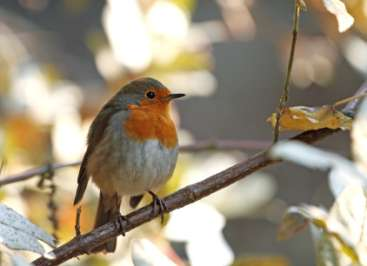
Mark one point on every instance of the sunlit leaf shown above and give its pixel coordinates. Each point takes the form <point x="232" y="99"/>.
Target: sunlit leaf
<point x="301" y="118"/>
<point x="16" y="232"/>
<point x="348" y="220"/>
<point x="9" y="217"/>
<point x="331" y="235"/>
<point x="292" y="223"/>
<point x="342" y="171"/>
<point x="307" y="155"/>
<point x="337" y="7"/>
<point x="198" y="233"/>
<point x="359" y="136"/>
<point x="350" y="208"/>
<point x="326" y="253"/>
<point x="297" y="218"/>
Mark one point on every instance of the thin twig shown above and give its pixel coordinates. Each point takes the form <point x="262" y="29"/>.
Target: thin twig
<point x="198" y="146"/>
<point x="349" y="99"/>
<point x="48" y="176"/>
<point x="34" y="172"/>
<point x="2" y="165"/>
<point x="298" y="6"/>
<point x="53" y="208"/>
<point x="77" y="222"/>
<point x="207" y="145"/>
<point x="183" y="197"/>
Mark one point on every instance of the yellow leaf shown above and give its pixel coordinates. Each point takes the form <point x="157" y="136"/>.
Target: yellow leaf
<point x="297" y="218"/>
<point x="291" y="224"/>
<point x="301" y="118"/>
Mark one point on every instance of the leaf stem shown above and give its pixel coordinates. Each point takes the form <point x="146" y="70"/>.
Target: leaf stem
<point x="299" y="5"/>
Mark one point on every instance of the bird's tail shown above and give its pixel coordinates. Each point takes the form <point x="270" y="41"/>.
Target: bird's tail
<point x="108" y="210"/>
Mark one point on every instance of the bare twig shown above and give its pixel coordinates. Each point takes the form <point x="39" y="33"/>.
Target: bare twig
<point x="51" y="204"/>
<point x="349" y="99"/>
<point x="77" y="221"/>
<point x="351" y="107"/>
<point x="205" y="145"/>
<point x="298" y="6"/>
<point x="183" y="197"/>
<point x="198" y="146"/>
<point x="53" y="208"/>
<point x="34" y="172"/>
<point x="2" y="165"/>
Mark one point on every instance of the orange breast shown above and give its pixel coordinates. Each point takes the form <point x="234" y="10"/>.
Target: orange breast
<point x="144" y="124"/>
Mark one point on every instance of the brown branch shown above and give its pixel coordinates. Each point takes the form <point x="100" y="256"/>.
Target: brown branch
<point x="197" y="146"/>
<point x="205" y="145"/>
<point x="48" y="178"/>
<point x="34" y="172"/>
<point x="182" y="197"/>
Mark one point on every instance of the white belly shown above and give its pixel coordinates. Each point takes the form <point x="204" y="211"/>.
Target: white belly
<point x="135" y="168"/>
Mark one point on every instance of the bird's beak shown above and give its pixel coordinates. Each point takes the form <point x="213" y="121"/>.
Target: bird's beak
<point x="175" y="96"/>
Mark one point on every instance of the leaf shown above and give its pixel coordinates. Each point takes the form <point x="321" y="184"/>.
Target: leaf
<point x="350" y="208"/>
<point x="343" y="172"/>
<point x="348" y="220"/>
<point x="359" y="136"/>
<point x="297" y="218"/>
<point x="197" y="233"/>
<point x="301" y="118"/>
<point x="326" y="253"/>
<point x="307" y="155"/>
<point x="331" y="228"/>
<point x="337" y="7"/>
<point x="16" y="232"/>
<point x="11" y="218"/>
<point x="18" y="240"/>
<point x="292" y="223"/>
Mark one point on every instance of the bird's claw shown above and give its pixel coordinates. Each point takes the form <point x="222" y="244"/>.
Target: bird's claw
<point x="157" y="202"/>
<point x="121" y="223"/>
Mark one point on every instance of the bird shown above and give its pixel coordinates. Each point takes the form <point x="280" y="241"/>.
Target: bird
<point x="132" y="148"/>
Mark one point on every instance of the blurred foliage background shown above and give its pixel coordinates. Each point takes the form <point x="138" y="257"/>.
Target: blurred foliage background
<point x="60" y="60"/>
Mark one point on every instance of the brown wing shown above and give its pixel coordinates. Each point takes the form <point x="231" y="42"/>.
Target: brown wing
<point x="95" y="134"/>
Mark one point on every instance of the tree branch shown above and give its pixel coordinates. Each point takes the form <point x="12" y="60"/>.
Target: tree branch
<point x="181" y="198"/>
<point x="241" y="145"/>
<point x="203" y="145"/>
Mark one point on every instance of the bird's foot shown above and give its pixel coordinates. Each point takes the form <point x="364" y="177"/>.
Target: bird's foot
<point x="157" y="202"/>
<point x="122" y="221"/>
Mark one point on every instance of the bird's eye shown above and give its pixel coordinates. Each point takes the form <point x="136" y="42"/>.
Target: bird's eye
<point x="150" y="94"/>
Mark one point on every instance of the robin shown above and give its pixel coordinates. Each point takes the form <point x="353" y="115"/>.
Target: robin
<point x="131" y="149"/>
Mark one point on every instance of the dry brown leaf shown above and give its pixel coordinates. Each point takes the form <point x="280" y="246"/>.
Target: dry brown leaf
<point x="301" y="118"/>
